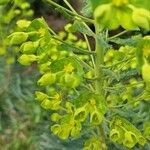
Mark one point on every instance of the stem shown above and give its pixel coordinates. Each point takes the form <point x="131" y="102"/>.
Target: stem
<point x="85" y="36"/>
<point x="71" y="8"/>
<point x="99" y="59"/>
<point x="85" y="25"/>
<point x="80" y="50"/>
<point x="119" y="62"/>
<point x="87" y="66"/>
<point x="98" y="65"/>
<point x="70" y="12"/>
<point x="117" y="35"/>
<point x="89" y="48"/>
<point x="52" y="31"/>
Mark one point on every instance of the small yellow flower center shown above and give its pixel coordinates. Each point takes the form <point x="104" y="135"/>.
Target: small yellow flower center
<point x="118" y="122"/>
<point x="42" y="32"/>
<point x="92" y="101"/>
<point x="57" y="96"/>
<point x="68" y="68"/>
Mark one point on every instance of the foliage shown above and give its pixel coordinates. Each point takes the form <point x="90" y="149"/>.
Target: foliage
<point x="99" y="95"/>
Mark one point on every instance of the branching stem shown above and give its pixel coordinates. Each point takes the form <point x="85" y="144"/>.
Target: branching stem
<point x="70" y="12"/>
<point x="99" y="59"/>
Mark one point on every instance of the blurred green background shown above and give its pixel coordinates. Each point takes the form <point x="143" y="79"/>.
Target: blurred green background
<point x="24" y="125"/>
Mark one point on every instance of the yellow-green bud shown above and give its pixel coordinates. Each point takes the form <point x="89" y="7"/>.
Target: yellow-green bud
<point x="56" y="129"/>
<point x="64" y="133"/>
<point x="70" y="80"/>
<point x="23" y="23"/>
<point x="80" y="114"/>
<point x="27" y="59"/>
<point x="141" y="17"/>
<point x="114" y="135"/>
<point x="18" y="38"/>
<point x="146" y="72"/>
<point x="25" y="5"/>
<point x="96" y="118"/>
<point x="28" y="47"/>
<point x="46" y="104"/>
<point x="76" y="129"/>
<point x="55" y="117"/>
<point x="40" y="96"/>
<point x="47" y="79"/>
<point x="67" y="27"/>
<point x="130" y="139"/>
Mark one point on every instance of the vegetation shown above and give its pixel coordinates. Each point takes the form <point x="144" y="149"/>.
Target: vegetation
<point x="98" y="97"/>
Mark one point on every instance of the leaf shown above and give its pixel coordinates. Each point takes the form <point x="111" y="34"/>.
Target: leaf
<point x="38" y="28"/>
<point x="58" y="65"/>
<point x="127" y="41"/>
<point x="79" y="26"/>
<point x="126" y="75"/>
<point x="129" y="128"/>
<point x="119" y="121"/>
<point x="37" y="24"/>
<point x="111" y="74"/>
<point x="87" y="8"/>
<point x="73" y="48"/>
<point x="102" y="41"/>
<point x="86" y="97"/>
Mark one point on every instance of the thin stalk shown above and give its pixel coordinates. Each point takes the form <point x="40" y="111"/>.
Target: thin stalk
<point x="119" y="62"/>
<point x="75" y="12"/>
<point x="128" y="104"/>
<point x="123" y="86"/>
<point x="71" y="8"/>
<point x="87" y="66"/>
<point x="70" y="12"/>
<point x="89" y="48"/>
<point x="85" y="36"/>
<point x="52" y="31"/>
<point x="117" y="35"/>
<point x="98" y="68"/>
<point x="79" y="49"/>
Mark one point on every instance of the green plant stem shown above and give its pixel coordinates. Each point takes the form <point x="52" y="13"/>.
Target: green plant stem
<point x="124" y="85"/>
<point x="85" y="36"/>
<point x="80" y="50"/>
<point x="99" y="59"/>
<point x="70" y="12"/>
<point x="119" y="62"/>
<point x="85" y="25"/>
<point x="87" y="66"/>
<point x="52" y="31"/>
<point x="71" y="8"/>
<point x="117" y="35"/>
<point x="89" y="48"/>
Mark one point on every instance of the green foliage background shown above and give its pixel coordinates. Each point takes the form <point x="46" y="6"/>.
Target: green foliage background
<point x="23" y="123"/>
